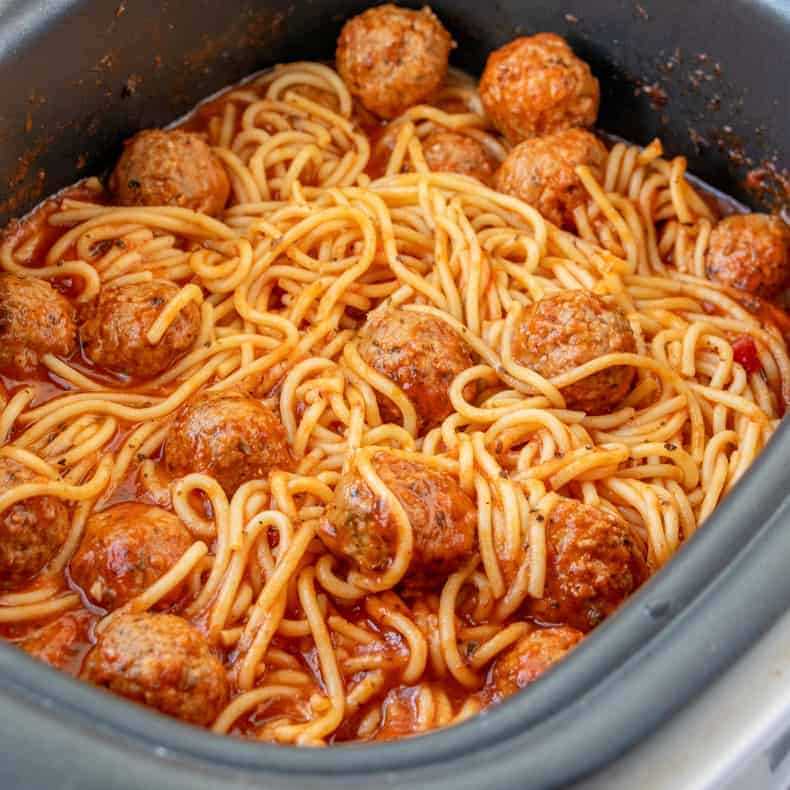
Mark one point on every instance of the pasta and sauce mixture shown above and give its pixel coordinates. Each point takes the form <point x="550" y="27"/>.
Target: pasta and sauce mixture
<point x="344" y="409"/>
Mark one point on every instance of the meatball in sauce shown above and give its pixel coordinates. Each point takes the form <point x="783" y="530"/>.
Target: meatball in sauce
<point x="360" y="528"/>
<point x="421" y="355"/>
<point x="32" y="531"/>
<point x="392" y="58"/>
<point x="161" y="661"/>
<point x="34" y="320"/>
<point x="115" y="336"/>
<point x="593" y="564"/>
<point x="528" y="659"/>
<point x="535" y="85"/>
<point x="450" y="152"/>
<point x="124" y="550"/>
<point x="542" y="172"/>
<point x="228" y="435"/>
<point x="170" y="168"/>
<point x="564" y="331"/>
<point x="750" y="252"/>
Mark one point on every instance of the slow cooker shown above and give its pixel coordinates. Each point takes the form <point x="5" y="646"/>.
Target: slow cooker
<point x="711" y="79"/>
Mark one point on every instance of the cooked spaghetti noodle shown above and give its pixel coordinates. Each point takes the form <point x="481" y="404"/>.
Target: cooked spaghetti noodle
<point x="329" y="221"/>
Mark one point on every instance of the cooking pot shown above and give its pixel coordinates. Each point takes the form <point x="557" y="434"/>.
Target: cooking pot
<point x="711" y="79"/>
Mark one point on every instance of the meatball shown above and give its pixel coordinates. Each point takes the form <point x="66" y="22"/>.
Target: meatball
<point x="162" y="661"/>
<point x="542" y="173"/>
<point x="392" y="58"/>
<point x="418" y="353"/>
<point x="566" y="330"/>
<point x="358" y="525"/>
<point x="32" y="531"/>
<point x="750" y="252"/>
<point x="228" y="435"/>
<point x="125" y="549"/>
<point x="34" y="320"/>
<point x="172" y="168"/>
<point x="451" y="152"/>
<point x="535" y="85"/>
<point x="592" y="566"/>
<point x="529" y="658"/>
<point x="115" y="336"/>
<point x="62" y="643"/>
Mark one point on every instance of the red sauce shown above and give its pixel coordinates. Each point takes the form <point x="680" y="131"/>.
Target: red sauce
<point x="62" y="643"/>
<point x="36" y="224"/>
<point x="744" y="352"/>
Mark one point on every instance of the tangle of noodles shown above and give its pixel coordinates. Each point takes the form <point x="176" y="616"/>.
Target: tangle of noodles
<point x="326" y="222"/>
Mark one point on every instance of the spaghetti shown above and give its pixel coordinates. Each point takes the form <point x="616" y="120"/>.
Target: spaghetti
<point x="328" y="221"/>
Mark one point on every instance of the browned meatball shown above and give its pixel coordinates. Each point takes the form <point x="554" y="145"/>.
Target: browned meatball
<point x="451" y="152"/>
<point x="32" y="531"/>
<point x="359" y="527"/>
<point x="34" y="320"/>
<point x="566" y="330"/>
<point x="172" y="168"/>
<point x="392" y="58"/>
<point x="125" y="549"/>
<point x="535" y="85"/>
<point x="115" y="336"/>
<point x="592" y="565"/>
<point x="542" y="172"/>
<point x="529" y="658"/>
<point x="418" y="353"/>
<point x="228" y="435"/>
<point x="162" y="661"/>
<point x="62" y="643"/>
<point x="750" y="252"/>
